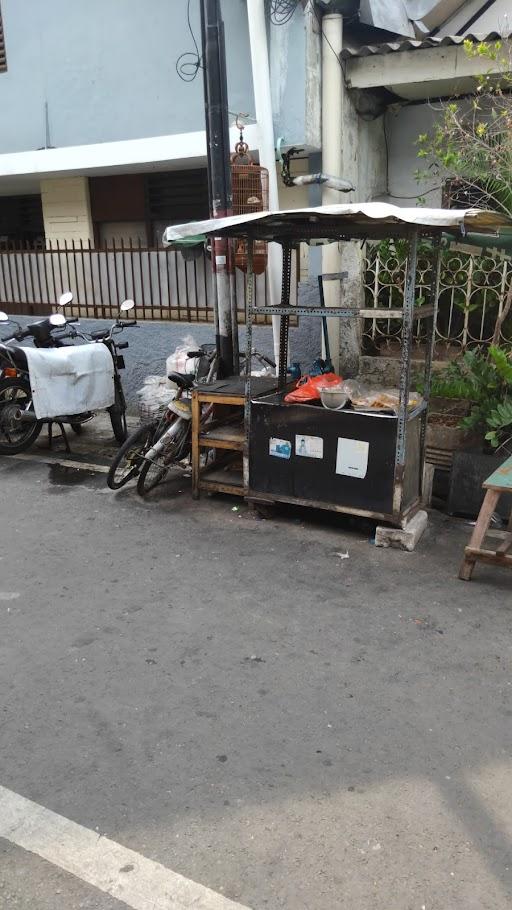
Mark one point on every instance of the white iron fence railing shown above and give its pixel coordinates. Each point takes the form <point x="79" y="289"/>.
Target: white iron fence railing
<point x="163" y="285"/>
<point x="471" y="296"/>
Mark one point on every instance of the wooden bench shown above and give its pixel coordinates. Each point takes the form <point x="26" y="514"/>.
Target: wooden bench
<point x="499" y="482"/>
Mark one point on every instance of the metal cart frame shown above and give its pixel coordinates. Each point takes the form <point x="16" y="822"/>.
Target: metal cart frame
<point x="350" y="222"/>
<point x="336" y="230"/>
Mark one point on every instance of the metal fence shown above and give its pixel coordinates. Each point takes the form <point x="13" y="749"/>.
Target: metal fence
<point x="163" y="284"/>
<point x="471" y="296"/>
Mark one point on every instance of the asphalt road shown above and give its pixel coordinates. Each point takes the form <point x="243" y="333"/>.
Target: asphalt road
<point x="231" y="698"/>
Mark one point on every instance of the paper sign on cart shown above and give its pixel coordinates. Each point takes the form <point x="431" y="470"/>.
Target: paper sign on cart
<point x="309" y="446"/>
<point x="352" y="457"/>
<point x="280" y="448"/>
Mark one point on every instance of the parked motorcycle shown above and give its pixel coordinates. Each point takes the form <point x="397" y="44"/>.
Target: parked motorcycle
<point x="19" y="424"/>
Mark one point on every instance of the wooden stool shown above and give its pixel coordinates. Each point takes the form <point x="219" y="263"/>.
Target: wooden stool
<point x="499" y="482"/>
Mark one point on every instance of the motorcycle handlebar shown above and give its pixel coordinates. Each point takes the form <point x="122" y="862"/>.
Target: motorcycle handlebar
<point x="18" y="336"/>
<point x="125" y="324"/>
<point x="121" y="345"/>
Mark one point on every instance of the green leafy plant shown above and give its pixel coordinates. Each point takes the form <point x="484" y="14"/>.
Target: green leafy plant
<point x="484" y="378"/>
<point x="472" y="139"/>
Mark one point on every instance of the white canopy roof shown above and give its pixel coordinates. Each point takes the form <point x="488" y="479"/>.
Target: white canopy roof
<point x="357" y="219"/>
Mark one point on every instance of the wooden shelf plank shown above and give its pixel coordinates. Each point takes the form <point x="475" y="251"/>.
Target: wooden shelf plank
<point x="222" y="480"/>
<point x="224" y="437"/>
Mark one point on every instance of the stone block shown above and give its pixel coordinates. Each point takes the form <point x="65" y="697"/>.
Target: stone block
<point x="403" y="538"/>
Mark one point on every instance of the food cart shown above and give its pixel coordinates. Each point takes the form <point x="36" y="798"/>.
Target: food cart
<point x="356" y="462"/>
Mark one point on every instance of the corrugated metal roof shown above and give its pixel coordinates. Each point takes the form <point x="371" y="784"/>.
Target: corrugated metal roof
<point x="357" y="216"/>
<point x="409" y="44"/>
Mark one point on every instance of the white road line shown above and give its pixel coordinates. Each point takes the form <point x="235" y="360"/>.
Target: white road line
<point x="114" y="869"/>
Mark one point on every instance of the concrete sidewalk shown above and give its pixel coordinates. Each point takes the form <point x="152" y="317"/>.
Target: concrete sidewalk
<point x="237" y="700"/>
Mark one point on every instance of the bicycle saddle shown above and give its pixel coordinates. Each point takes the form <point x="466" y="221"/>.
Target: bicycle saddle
<point x="182" y="380"/>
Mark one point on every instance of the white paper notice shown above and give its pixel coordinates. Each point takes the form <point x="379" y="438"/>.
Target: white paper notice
<point x="352" y="457"/>
<point x="309" y="446"/>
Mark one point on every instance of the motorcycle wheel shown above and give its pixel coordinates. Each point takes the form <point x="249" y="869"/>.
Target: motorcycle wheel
<point x="128" y="460"/>
<point x="154" y="472"/>
<point x="15" y="436"/>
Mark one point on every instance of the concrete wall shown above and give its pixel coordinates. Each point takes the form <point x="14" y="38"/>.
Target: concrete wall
<point x="371" y="159"/>
<point x="404" y="125"/>
<point x="67" y="210"/>
<point x="107" y="70"/>
<point x="287" y="53"/>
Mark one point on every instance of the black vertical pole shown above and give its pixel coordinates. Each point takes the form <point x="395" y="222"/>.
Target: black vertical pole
<point x="219" y="173"/>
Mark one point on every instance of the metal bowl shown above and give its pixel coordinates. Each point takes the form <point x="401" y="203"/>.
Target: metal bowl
<point x="333" y="397"/>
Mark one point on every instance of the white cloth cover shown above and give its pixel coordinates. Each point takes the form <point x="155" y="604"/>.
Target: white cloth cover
<point x="70" y="380"/>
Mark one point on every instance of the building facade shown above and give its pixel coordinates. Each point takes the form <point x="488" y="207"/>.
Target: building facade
<point x="103" y="141"/>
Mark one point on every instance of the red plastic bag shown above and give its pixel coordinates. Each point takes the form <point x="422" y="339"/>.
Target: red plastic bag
<point x="308" y="387"/>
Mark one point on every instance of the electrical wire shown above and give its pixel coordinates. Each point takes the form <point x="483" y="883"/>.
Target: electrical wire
<point x="324" y="36"/>
<point x="189" y="63"/>
<point x="346" y="21"/>
<point x="281" y="11"/>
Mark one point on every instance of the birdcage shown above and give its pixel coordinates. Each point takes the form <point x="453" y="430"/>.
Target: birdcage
<point x="250" y="194"/>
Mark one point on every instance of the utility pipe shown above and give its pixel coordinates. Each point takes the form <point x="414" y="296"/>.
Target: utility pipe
<point x="332" y="158"/>
<point x="333" y="183"/>
<point x="219" y="173"/>
<point x="263" y="112"/>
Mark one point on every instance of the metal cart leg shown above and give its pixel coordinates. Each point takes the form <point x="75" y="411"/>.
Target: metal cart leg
<point x="285" y="320"/>
<point x="405" y="372"/>
<point x="248" y="358"/>
<point x="429" y="354"/>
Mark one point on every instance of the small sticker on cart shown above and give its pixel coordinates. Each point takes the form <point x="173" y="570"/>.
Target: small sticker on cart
<point x="352" y="457"/>
<point x="309" y="446"/>
<point x="280" y="448"/>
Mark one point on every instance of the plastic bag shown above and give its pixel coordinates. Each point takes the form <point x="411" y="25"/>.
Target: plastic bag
<point x="354" y="388"/>
<point x="377" y="399"/>
<point x="179" y="361"/>
<point x="155" y="395"/>
<point x="308" y="387"/>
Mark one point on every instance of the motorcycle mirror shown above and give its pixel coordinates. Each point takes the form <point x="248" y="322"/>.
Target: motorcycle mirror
<point x="127" y="305"/>
<point x="57" y="319"/>
<point x="3" y="317"/>
<point x="65" y="298"/>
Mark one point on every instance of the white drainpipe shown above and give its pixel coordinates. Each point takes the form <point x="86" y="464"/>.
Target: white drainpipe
<point x="263" y="112"/>
<point x="332" y="158"/>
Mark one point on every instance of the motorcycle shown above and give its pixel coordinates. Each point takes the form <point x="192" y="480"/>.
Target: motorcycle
<point x="19" y="424"/>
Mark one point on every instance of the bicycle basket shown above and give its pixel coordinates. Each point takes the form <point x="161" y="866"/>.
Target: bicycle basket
<point x="151" y="410"/>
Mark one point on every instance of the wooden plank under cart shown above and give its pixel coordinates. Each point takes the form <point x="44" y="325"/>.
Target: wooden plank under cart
<point x="224" y="434"/>
<point x="498" y="483"/>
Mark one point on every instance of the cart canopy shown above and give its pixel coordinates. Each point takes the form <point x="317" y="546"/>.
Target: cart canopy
<point x="370" y="220"/>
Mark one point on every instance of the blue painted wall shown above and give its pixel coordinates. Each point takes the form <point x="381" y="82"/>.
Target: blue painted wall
<point x="107" y="69"/>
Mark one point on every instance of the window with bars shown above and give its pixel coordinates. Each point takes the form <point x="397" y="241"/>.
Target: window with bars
<point x="3" y="58"/>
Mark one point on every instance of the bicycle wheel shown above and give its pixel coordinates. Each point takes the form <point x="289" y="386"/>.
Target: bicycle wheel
<point x="128" y="460"/>
<point x="178" y="447"/>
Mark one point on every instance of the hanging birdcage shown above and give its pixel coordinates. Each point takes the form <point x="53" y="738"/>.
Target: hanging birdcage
<point x="250" y="194"/>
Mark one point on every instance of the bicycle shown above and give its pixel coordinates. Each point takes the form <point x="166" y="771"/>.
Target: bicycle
<point x="166" y="440"/>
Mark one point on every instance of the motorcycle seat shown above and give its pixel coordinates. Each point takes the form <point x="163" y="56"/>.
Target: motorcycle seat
<point x="182" y="380"/>
<point x="16" y="354"/>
